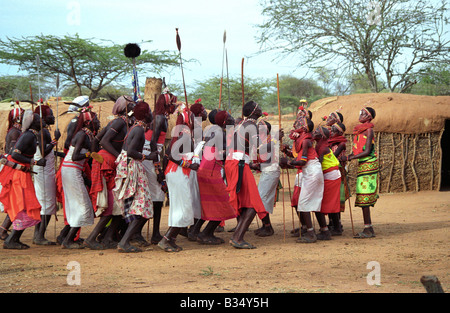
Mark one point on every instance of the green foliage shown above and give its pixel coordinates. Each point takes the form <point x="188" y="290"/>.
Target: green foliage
<point x="433" y="80"/>
<point x="88" y="63"/>
<point x="16" y="87"/>
<point x="344" y="35"/>
<point x="209" y="91"/>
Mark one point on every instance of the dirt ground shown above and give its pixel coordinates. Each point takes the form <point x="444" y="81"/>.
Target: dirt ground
<point x="412" y="232"/>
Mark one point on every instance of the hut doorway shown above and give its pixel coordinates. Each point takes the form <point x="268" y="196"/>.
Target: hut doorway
<point x="445" y="167"/>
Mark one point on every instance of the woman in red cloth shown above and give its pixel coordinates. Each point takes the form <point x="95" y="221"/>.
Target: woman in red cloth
<point x="244" y="195"/>
<point x="367" y="173"/>
<point x="309" y="179"/>
<point x="337" y="143"/>
<point x="213" y="194"/>
<point x="331" y="179"/>
<point x="18" y="195"/>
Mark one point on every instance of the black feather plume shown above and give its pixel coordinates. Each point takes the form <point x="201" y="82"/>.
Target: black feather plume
<point x="132" y="50"/>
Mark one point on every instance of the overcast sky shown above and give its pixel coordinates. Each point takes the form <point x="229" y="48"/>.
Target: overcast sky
<point x="201" y="25"/>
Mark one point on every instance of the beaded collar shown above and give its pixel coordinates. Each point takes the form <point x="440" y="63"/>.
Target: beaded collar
<point x="88" y="132"/>
<point x="35" y="132"/>
<point x="140" y="123"/>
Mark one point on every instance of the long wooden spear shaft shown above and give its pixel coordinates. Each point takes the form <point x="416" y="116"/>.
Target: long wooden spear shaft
<point x="31" y="98"/>
<point x="242" y="85"/>
<point x="182" y="72"/>
<point x="280" y="140"/>
<point x="223" y="61"/>
<point x="42" y="139"/>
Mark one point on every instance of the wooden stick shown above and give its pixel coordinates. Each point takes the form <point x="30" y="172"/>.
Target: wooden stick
<point x="178" y="39"/>
<point x="242" y="85"/>
<point x="223" y="61"/>
<point x="280" y="139"/>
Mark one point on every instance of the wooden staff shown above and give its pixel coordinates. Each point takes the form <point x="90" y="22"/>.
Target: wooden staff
<point x="223" y="60"/>
<point x="242" y="84"/>
<point x="57" y="103"/>
<point x="182" y="72"/>
<point x="42" y="135"/>
<point x="31" y="98"/>
<point x="228" y="82"/>
<point x="280" y="140"/>
<point x="349" y="204"/>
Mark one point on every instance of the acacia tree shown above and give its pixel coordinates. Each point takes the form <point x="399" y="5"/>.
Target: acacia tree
<point x="388" y="39"/>
<point x="91" y="63"/>
<point x="254" y="89"/>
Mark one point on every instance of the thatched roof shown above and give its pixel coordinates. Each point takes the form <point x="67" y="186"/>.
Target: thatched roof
<point x="395" y="112"/>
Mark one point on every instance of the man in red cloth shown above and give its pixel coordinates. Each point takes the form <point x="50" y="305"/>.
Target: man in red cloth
<point x="13" y="133"/>
<point x="18" y="195"/>
<point x="244" y="195"/>
<point x="111" y="139"/>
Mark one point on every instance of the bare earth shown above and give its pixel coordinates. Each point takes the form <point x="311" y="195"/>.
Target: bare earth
<point x="412" y="232"/>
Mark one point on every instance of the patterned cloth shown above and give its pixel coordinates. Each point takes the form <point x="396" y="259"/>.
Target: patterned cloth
<point x="213" y="194"/>
<point x="367" y="182"/>
<point x="132" y="181"/>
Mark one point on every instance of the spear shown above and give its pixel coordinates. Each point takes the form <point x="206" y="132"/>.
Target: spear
<point x="31" y="96"/>
<point x="242" y="84"/>
<point x="280" y="140"/>
<point x="57" y="101"/>
<point x="228" y="82"/>
<point x="182" y="72"/>
<point x="223" y="59"/>
<point x="42" y="135"/>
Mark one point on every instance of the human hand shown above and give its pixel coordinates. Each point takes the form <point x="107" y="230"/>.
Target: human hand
<point x="41" y="162"/>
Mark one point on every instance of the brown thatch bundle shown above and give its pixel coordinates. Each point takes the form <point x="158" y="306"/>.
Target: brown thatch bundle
<point x="409" y="131"/>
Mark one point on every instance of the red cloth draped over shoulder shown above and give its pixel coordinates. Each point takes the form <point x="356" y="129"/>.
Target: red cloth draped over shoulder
<point x="297" y="150"/>
<point x="248" y="196"/>
<point x="106" y="169"/>
<point x="312" y="154"/>
<point x="359" y="141"/>
<point x="337" y="139"/>
<point x="18" y="192"/>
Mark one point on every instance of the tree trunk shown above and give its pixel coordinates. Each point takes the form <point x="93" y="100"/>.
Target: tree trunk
<point x="153" y="88"/>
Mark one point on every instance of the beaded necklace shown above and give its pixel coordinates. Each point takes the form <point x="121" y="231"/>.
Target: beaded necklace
<point x="88" y="132"/>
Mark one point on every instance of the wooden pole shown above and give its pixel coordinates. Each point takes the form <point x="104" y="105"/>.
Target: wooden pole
<point x="178" y="39"/>
<point x="242" y="85"/>
<point x="280" y="140"/>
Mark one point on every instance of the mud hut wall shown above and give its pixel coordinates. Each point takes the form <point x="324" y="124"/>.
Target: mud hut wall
<point x="408" y="162"/>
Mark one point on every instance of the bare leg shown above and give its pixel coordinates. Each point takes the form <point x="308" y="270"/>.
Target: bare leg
<point x="133" y="228"/>
<point x="368" y="231"/>
<point x="207" y="235"/>
<point x="246" y="218"/>
<point x="156" y="233"/>
<point x="69" y="242"/>
<point x="5" y="227"/>
<point x="108" y="241"/>
<point x="91" y="241"/>
<point x="309" y="236"/>
<point x="266" y="229"/>
<point x="13" y="241"/>
<point x="167" y="243"/>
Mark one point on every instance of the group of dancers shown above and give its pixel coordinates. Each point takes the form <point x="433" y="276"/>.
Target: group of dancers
<point x="121" y="174"/>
